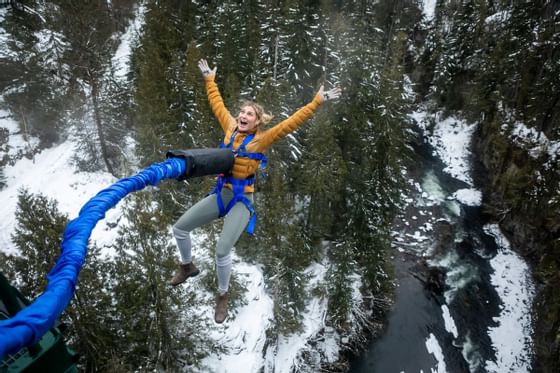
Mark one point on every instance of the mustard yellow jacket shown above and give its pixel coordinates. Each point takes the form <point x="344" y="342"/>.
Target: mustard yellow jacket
<point x="244" y="167"/>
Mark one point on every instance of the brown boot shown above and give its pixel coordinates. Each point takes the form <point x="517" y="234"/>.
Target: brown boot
<point x="184" y="272"/>
<point x="221" y="308"/>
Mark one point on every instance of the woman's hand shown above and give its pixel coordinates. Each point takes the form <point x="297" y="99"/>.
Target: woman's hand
<point x="331" y="94"/>
<point x="205" y="69"/>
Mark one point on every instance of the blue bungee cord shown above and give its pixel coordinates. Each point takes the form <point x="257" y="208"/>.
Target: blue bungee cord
<point x="31" y="323"/>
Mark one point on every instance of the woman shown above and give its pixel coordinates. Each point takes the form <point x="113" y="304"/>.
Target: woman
<point x="233" y="195"/>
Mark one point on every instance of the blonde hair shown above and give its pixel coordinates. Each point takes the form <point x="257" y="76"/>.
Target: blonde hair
<point x="262" y="116"/>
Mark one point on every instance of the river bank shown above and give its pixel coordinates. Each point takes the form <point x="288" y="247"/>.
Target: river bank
<point x="459" y="285"/>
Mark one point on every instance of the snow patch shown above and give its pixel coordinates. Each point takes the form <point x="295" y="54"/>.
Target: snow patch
<point x="499" y="17"/>
<point x="535" y="142"/>
<point x="429" y="8"/>
<point x="288" y="351"/>
<point x="46" y="39"/>
<point x="468" y="197"/>
<point x="244" y="336"/>
<point x="433" y="347"/>
<point x="451" y="141"/>
<point x="51" y="174"/>
<point x="448" y="321"/>
<point x="121" y="59"/>
<point x="513" y="283"/>
<point x="451" y="138"/>
<point x="4" y="36"/>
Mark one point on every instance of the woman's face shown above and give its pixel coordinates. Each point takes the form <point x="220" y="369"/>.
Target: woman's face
<point x="247" y="119"/>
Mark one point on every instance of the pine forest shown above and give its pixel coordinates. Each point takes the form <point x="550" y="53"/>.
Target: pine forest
<point x="331" y="192"/>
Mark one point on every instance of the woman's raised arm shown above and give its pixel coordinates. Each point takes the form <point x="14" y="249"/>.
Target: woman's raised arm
<point x="290" y="124"/>
<point x="214" y="97"/>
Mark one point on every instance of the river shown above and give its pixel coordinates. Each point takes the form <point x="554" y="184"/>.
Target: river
<point x="462" y="296"/>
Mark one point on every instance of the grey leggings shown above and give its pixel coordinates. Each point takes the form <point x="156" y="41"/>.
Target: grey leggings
<point x="206" y="210"/>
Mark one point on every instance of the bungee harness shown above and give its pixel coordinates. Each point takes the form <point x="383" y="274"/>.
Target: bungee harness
<point x="238" y="185"/>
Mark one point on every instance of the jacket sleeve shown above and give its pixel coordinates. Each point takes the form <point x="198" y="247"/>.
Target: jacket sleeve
<point x="217" y="104"/>
<point x="290" y="124"/>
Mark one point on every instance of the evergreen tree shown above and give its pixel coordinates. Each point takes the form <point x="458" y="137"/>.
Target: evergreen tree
<point x="258" y="45"/>
<point x="301" y="47"/>
<point x="37" y="235"/>
<point x="370" y="135"/>
<point x="200" y="129"/>
<point x="113" y="112"/>
<point x="93" y="326"/>
<point x="321" y="178"/>
<point x="339" y="281"/>
<point x="33" y="75"/>
<point x="151" y="327"/>
<point x="389" y="144"/>
<point x="231" y="52"/>
<point x="161" y="86"/>
<point x="90" y="31"/>
<point x="458" y="57"/>
<point x="266" y="55"/>
<point x="283" y="253"/>
<point x="171" y="105"/>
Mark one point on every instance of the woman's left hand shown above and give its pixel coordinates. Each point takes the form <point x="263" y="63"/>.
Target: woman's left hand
<point x="205" y="69"/>
<point x="331" y="94"/>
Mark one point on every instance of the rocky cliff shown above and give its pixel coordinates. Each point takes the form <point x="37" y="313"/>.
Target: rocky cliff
<point x="519" y="192"/>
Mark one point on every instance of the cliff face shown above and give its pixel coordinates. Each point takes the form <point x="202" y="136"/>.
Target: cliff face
<point x="517" y="193"/>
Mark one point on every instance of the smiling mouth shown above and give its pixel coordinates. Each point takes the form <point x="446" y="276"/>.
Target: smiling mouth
<point x="243" y="123"/>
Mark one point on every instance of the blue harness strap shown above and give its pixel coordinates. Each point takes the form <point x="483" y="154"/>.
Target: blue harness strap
<point x="238" y="189"/>
<point x="238" y="185"/>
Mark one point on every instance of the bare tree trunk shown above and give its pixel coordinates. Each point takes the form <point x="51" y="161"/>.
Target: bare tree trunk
<point x="99" y="125"/>
<point x="275" y="58"/>
<point x="26" y="136"/>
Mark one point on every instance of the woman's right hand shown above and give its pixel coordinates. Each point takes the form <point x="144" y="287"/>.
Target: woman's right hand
<point x="331" y="94"/>
<point x="205" y="69"/>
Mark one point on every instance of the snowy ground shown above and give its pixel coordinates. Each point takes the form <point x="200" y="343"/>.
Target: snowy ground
<point x="513" y="282"/>
<point x="428" y="8"/>
<point x="121" y="59"/>
<point x="4" y="36"/>
<point x="50" y="174"/>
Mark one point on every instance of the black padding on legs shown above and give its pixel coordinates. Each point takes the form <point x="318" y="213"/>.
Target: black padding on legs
<point x="202" y="162"/>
